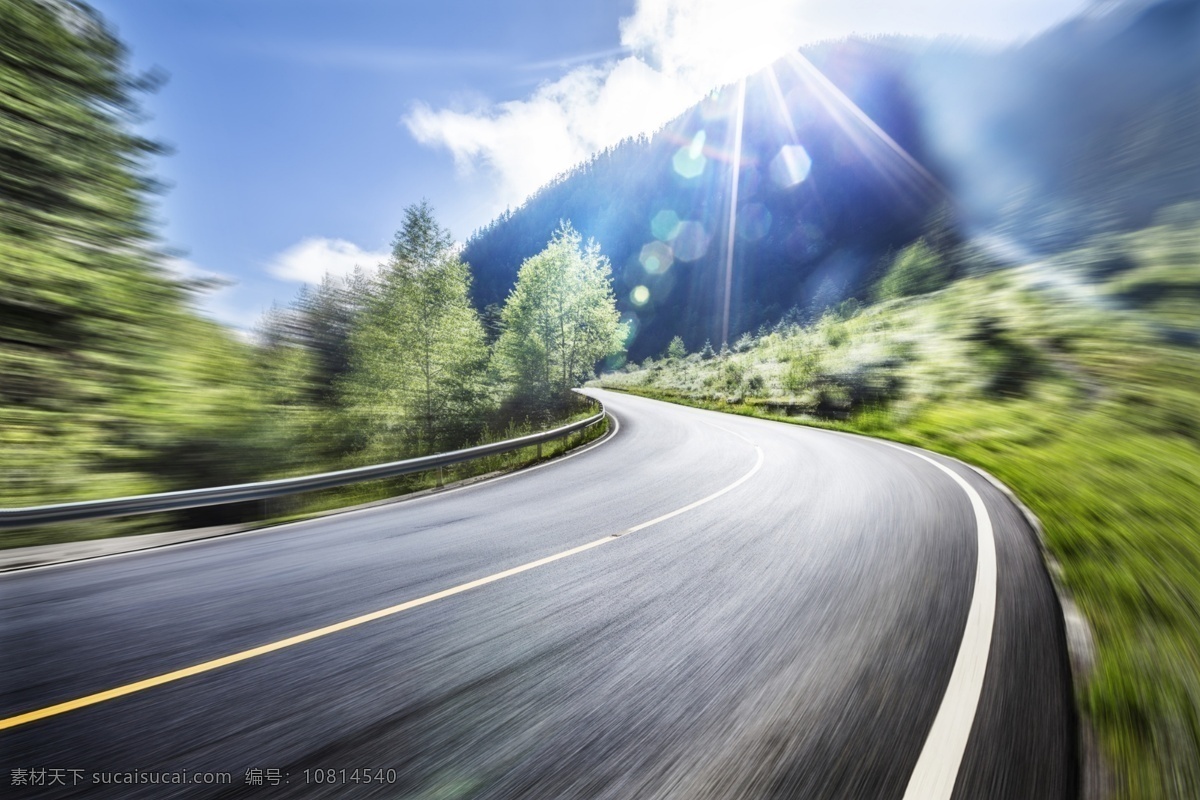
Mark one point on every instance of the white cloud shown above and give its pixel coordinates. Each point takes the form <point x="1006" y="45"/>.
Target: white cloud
<point x="678" y="50"/>
<point x="310" y="259"/>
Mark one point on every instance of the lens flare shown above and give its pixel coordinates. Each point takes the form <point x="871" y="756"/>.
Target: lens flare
<point x="632" y="323"/>
<point x="689" y="161"/>
<point x="656" y="258"/>
<point x="750" y="181"/>
<point x="639" y="296"/>
<point x="690" y="242"/>
<point x="735" y="172"/>
<point x="665" y="225"/>
<point x="753" y="222"/>
<point x="864" y="134"/>
<point x="791" y="166"/>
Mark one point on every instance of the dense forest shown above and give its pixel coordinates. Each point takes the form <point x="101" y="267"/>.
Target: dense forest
<point x="113" y="383"/>
<point x="1090" y="127"/>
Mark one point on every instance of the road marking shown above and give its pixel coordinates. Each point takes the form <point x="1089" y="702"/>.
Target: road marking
<point x="757" y="466"/>
<point x="941" y="757"/>
<point x="245" y="655"/>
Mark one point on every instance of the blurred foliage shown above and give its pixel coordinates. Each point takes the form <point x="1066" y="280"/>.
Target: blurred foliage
<point x="918" y="269"/>
<point x="112" y="383"/>
<point x="1069" y="381"/>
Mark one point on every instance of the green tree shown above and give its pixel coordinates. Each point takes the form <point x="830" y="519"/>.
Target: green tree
<point x="676" y="349"/>
<point x="417" y="356"/>
<point x="917" y="269"/>
<point x="559" y="320"/>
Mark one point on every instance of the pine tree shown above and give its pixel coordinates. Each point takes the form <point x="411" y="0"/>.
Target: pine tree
<point x="418" y="354"/>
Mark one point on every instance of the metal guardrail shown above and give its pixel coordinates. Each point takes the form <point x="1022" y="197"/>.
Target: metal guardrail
<point x="265" y="490"/>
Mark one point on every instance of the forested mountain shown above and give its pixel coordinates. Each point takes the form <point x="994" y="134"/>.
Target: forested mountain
<point x="819" y="201"/>
<point x="1092" y="126"/>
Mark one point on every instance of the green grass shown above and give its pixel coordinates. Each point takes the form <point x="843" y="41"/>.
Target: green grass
<point x="1086" y="409"/>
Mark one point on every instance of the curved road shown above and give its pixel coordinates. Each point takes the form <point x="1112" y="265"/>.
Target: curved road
<point x="788" y="625"/>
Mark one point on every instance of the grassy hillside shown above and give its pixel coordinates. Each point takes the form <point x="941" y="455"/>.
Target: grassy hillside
<point x="1074" y="380"/>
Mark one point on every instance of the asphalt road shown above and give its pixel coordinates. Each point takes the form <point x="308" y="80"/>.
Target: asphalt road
<point x="791" y="632"/>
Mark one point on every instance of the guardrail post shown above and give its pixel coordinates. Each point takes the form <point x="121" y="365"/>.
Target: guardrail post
<point x="539" y="454"/>
<point x="440" y="481"/>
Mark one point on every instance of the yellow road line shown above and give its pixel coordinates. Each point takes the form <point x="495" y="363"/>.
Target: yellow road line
<point x="245" y="655"/>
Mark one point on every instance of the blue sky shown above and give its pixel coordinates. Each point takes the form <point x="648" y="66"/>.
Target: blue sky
<point x="302" y="128"/>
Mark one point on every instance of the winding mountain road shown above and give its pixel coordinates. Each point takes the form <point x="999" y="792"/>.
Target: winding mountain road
<point x="699" y="606"/>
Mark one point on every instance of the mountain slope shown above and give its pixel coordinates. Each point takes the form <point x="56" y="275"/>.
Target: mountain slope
<point x="819" y="200"/>
<point x="1093" y="126"/>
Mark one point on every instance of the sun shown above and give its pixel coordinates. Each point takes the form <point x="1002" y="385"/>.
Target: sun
<point x="714" y="41"/>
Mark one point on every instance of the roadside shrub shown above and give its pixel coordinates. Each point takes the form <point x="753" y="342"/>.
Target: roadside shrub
<point x="1010" y="366"/>
<point x="917" y="269"/>
<point x="799" y="373"/>
<point x="835" y="334"/>
<point x="732" y="375"/>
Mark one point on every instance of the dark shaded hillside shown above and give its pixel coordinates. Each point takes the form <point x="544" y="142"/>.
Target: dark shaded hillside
<point x="660" y="207"/>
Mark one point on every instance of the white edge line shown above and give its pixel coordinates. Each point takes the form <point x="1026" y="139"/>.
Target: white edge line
<point x="937" y="767"/>
<point x="941" y="757"/>
<point x="579" y="451"/>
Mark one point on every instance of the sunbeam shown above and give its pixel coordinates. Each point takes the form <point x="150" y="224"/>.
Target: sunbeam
<point x="785" y="116"/>
<point x="839" y="106"/>
<point x="735" y="166"/>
